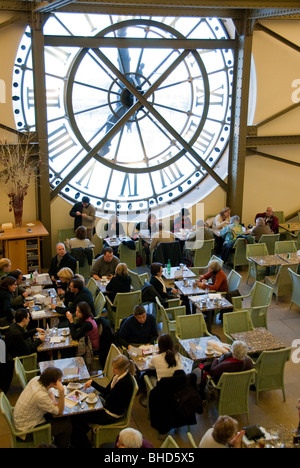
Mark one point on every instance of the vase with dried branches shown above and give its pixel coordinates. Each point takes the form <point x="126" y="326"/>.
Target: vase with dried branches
<point x="18" y="164"/>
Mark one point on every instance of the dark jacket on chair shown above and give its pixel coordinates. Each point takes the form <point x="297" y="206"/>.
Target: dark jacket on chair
<point x="164" y="414"/>
<point x="168" y="251"/>
<point x="81" y="254"/>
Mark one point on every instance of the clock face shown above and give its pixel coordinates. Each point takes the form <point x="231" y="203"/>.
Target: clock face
<point x="121" y="120"/>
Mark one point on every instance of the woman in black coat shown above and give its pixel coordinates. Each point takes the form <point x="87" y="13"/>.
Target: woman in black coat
<point x="120" y="283"/>
<point x="158" y="283"/>
<point x="7" y="288"/>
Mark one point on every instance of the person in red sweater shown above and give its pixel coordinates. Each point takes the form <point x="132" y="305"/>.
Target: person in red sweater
<point x="215" y="279"/>
<point x="269" y="219"/>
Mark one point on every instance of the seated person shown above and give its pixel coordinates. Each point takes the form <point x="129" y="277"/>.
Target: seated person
<point x="201" y="234"/>
<point x="131" y="438"/>
<point x="65" y="276"/>
<point x="260" y="229"/>
<point x="139" y="328"/>
<point x="234" y="361"/>
<point x="161" y="236"/>
<point x="120" y="283"/>
<point x="6" y="367"/>
<point x="76" y="293"/>
<point x="5" y="266"/>
<point x="18" y="297"/>
<point x="84" y="326"/>
<point x="114" y="227"/>
<point x="117" y="396"/>
<point x="183" y="221"/>
<point x="150" y="227"/>
<point x="80" y="239"/>
<point x="223" y="434"/>
<point x="158" y="283"/>
<point x="167" y="361"/>
<point x="105" y="265"/>
<point x="222" y="219"/>
<point x="62" y="259"/>
<point x="215" y="279"/>
<point x="36" y="401"/>
<point x="8" y="286"/>
<point x="269" y="219"/>
<point x="230" y="233"/>
<point x="20" y="341"/>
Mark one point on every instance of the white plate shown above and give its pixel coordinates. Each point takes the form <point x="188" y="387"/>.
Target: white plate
<point x="74" y="386"/>
<point x="91" y="402"/>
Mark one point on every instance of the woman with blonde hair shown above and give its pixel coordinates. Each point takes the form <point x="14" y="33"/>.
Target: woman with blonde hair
<point x="117" y="396"/>
<point x="120" y="283"/>
<point x="5" y="266"/>
<point x="65" y="275"/>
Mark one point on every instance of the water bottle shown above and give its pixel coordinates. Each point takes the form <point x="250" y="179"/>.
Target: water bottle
<point x="35" y="275"/>
<point x="169" y="267"/>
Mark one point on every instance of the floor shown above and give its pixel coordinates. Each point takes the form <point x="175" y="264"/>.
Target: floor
<point x="271" y="410"/>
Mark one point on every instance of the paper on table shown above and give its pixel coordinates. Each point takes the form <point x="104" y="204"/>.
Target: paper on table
<point x="38" y="314"/>
<point x="71" y="371"/>
<point x="215" y="296"/>
<point x="55" y="339"/>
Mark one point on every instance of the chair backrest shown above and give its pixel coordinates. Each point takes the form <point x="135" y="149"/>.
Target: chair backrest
<point x="20" y="372"/>
<point x="64" y="234"/>
<point x="236" y="322"/>
<point x="234" y="392"/>
<point x="7" y="411"/>
<point x="233" y="281"/>
<point x="192" y="440"/>
<point x="191" y="326"/>
<point x="270" y="368"/>
<point x="288" y="246"/>
<point x="164" y="317"/>
<point x="256" y="250"/>
<point x="168" y="251"/>
<point x="113" y="352"/>
<point x="169" y="442"/>
<point x="129" y="409"/>
<point x="283" y="278"/>
<point x="125" y="303"/>
<point x="135" y="280"/>
<point x="99" y="303"/>
<point x="203" y="254"/>
<point x="269" y="240"/>
<point x="239" y="255"/>
<point x="92" y="287"/>
<point x="280" y="216"/>
<point x="127" y="256"/>
<point x="261" y="295"/>
<point x="295" y="278"/>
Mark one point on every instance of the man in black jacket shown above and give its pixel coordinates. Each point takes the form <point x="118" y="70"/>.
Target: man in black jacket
<point x="76" y="293"/>
<point x="20" y="342"/>
<point x="84" y="215"/>
<point x="61" y="260"/>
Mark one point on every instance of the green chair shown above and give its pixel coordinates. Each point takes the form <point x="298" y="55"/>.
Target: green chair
<point x="137" y="281"/>
<point x="238" y="257"/>
<point x="23" y="375"/>
<point x="107" y="371"/>
<point x="39" y="434"/>
<point x="108" y="433"/>
<point x="233" y="281"/>
<point x="191" y="326"/>
<point x="281" y="282"/>
<point x="99" y="304"/>
<point x="203" y="270"/>
<point x="260" y="299"/>
<point x="270" y="371"/>
<point x="280" y="216"/>
<point x="93" y="287"/>
<point x="149" y="386"/>
<point x="122" y="306"/>
<point x="64" y="234"/>
<point x="3" y="330"/>
<point x="269" y="240"/>
<point x="169" y="442"/>
<point x="234" y="392"/>
<point x="168" y="317"/>
<point x="288" y="246"/>
<point x="203" y="253"/>
<point x="295" y="278"/>
<point x="254" y="270"/>
<point x="192" y="440"/>
<point x="236" y="322"/>
<point x="127" y="256"/>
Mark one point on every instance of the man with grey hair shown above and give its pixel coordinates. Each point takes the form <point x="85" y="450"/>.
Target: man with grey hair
<point x="234" y="361"/>
<point x="62" y="259"/>
<point x="270" y="219"/>
<point x="260" y="229"/>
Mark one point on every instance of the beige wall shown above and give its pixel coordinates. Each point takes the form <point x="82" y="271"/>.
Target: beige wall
<point x="266" y="182"/>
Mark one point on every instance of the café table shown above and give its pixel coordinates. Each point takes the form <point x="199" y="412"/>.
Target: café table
<point x="102" y="283"/>
<point x="291" y="258"/>
<point x="142" y="361"/>
<point x="259" y="340"/>
<point x="58" y="342"/>
<point x="195" y="348"/>
<point x="267" y="261"/>
<point x="116" y="241"/>
<point x="188" y="288"/>
<point x="83" y="406"/>
<point x="44" y="315"/>
<point x="290" y="227"/>
<point x="42" y="279"/>
<point x="176" y="273"/>
<point x="74" y="369"/>
<point x="209" y="306"/>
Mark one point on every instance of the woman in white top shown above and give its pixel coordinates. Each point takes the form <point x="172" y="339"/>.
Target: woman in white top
<point x="80" y="240"/>
<point x="223" y="434"/>
<point x="167" y="361"/>
<point x="222" y="219"/>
